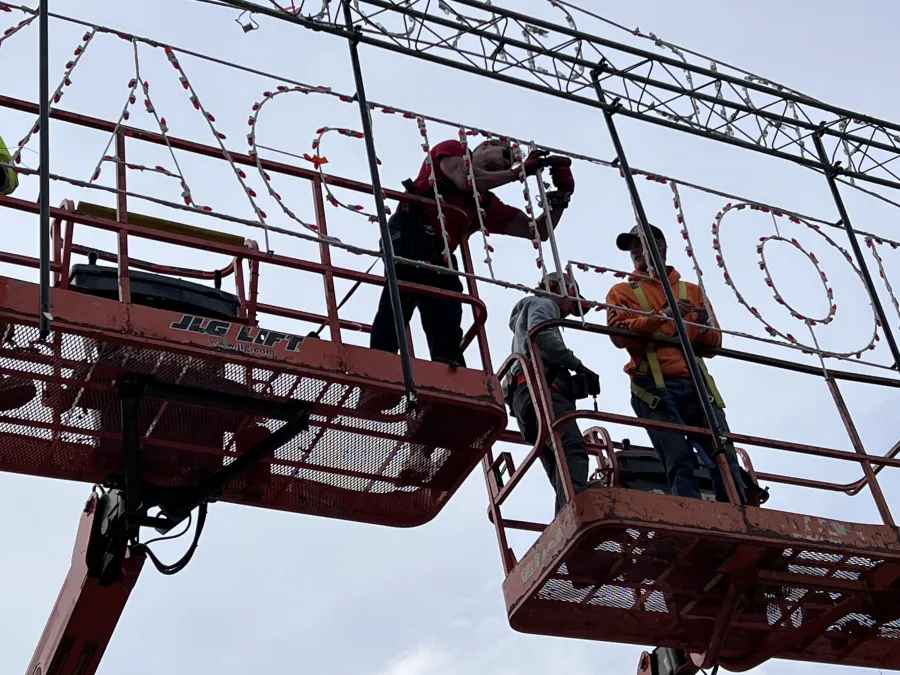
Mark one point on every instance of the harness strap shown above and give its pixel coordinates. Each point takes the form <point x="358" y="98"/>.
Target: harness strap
<point x="650" y="362"/>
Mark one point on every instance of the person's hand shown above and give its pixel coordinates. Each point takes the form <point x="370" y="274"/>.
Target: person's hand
<point x="685" y="307"/>
<point x="561" y="174"/>
<point x="537" y="159"/>
<point x="702" y="315"/>
<point x="593" y="380"/>
<point x="557" y="200"/>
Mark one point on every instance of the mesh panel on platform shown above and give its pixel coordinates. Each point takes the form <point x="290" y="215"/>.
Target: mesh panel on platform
<point x="343" y="466"/>
<point x="653" y="587"/>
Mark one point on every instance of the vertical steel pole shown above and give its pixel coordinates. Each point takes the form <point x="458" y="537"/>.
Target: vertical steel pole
<point x="387" y="246"/>
<point x="44" y="197"/>
<point x="830" y="172"/>
<point x="719" y="440"/>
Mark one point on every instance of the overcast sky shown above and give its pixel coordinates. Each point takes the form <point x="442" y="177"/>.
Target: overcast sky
<point x="277" y="592"/>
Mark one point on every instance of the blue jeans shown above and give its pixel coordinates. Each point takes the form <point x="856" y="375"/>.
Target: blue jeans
<point x="679" y="400"/>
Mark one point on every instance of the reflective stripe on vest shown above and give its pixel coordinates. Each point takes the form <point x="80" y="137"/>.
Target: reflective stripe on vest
<point x="9" y="178"/>
<point x="651" y="360"/>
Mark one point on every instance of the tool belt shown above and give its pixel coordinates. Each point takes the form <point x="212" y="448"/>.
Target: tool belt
<point x="650" y="362"/>
<point x="575" y="388"/>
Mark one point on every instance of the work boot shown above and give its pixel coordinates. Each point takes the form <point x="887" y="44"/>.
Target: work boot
<point x="453" y="363"/>
<point x="15" y="392"/>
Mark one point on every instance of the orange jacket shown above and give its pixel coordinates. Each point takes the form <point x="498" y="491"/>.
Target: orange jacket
<point x="671" y="359"/>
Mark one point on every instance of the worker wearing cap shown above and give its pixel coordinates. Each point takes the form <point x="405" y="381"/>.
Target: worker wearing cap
<point x="416" y="234"/>
<point x="661" y="385"/>
<point x="559" y="364"/>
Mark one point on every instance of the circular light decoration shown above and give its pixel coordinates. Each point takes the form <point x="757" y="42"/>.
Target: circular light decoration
<point x="808" y="321"/>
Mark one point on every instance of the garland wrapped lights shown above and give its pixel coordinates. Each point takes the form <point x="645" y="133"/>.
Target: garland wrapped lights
<point x="769" y="328"/>
<point x="872" y="243"/>
<point x="317" y="161"/>
<point x="479" y="210"/>
<point x="432" y="181"/>
<point x="519" y="159"/>
<point x="253" y="152"/>
<point x="410" y="115"/>
<point x="57" y="95"/>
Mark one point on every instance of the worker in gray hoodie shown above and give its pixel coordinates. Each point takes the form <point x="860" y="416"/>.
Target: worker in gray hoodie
<point x="559" y="366"/>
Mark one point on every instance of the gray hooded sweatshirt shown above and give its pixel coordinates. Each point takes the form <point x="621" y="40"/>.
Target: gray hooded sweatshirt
<point x="528" y="313"/>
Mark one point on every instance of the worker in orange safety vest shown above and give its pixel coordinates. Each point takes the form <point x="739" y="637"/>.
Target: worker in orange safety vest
<point x="661" y="385"/>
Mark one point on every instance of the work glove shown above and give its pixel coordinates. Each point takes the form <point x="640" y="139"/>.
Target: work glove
<point x="593" y="379"/>
<point x="561" y="174"/>
<point x="537" y="159"/>
<point x="557" y="199"/>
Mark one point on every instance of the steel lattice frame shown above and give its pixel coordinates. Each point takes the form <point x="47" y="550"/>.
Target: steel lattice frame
<point x="621" y="80"/>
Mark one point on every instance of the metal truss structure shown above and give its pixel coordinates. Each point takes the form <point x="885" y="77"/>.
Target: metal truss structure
<point x="723" y="584"/>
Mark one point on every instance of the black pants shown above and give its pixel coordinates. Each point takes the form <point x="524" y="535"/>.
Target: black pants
<point x="574" y="446"/>
<point x="441" y="318"/>
<point x="678" y="403"/>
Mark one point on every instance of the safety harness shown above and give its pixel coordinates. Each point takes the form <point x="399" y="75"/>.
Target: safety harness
<point x="650" y="361"/>
<point x="9" y="178"/>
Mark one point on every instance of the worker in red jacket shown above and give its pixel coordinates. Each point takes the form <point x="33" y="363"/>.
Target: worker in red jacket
<point x="416" y="234"/>
<point x="661" y="385"/>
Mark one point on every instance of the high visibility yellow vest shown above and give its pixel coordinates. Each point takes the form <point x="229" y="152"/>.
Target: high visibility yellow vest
<point x="9" y="177"/>
<point x="650" y="362"/>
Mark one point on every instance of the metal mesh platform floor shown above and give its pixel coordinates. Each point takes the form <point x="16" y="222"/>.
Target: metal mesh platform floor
<point x="348" y="464"/>
<point x="619" y="565"/>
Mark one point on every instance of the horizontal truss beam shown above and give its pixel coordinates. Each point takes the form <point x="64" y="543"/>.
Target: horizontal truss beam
<point x="735" y="121"/>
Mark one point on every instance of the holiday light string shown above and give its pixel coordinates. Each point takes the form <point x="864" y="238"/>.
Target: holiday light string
<point x="872" y="243"/>
<point x="479" y="210"/>
<point x="519" y="160"/>
<point x="551" y="232"/>
<point x="432" y="181"/>
<point x="219" y="137"/>
<point x="12" y="30"/>
<point x="433" y="118"/>
<point x="689" y="245"/>
<point x="57" y="95"/>
<point x="598" y="306"/>
<point x="594" y="159"/>
<point x="770" y="329"/>
<point x="160" y="124"/>
<point x="318" y="161"/>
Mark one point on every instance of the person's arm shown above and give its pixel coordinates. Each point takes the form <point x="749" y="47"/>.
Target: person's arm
<point x="557" y="201"/>
<point x="711" y="337"/>
<point x="623" y="298"/>
<point x="454" y="168"/>
<point x="553" y="349"/>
